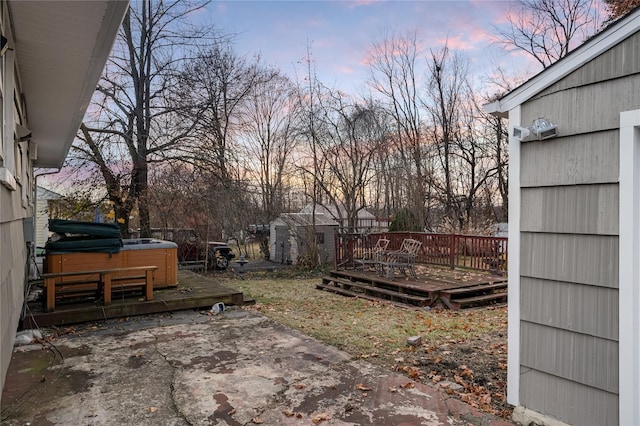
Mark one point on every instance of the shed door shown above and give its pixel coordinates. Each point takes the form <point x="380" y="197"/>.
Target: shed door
<point x="282" y="244"/>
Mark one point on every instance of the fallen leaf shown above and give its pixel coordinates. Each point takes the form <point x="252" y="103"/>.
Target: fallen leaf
<point x="232" y="412"/>
<point x="299" y="386"/>
<point x="257" y="420"/>
<point x="466" y="373"/>
<point x="288" y="413"/>
<point x="320" y="417"/>
<point x="153" y="409"/>
<point x="408" y="385"/>
<point x="362" y="387"/>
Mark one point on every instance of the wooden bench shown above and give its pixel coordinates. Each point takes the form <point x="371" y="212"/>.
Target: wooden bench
<point x="101" y="283"/>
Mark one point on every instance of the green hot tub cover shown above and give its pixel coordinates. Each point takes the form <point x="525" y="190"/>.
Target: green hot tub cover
<point x="77" y="236"/>
<point x="93" y="229"/>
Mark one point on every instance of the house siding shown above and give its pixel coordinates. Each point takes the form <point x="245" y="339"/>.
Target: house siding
<point x="581" y="358"/>
<point x="570" y="306"/>
<point x="618" y="62"/>
<point x="587" y="109"/>
<point x="15" y="204"/>
<point x="570" y="160"/>
<point x="576" y="209"/>
<point x="569" y="276"/>
<point x="570" y="402"/>
<point x="42" y="223"/>
<point x="581" y="259"/>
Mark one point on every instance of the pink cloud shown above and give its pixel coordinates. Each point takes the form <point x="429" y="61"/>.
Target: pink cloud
<point x="362" y="3"/>
<point x="345" y="69"/>
<point x="456" y="43"/>
<point x="221" y="8"/>
<point x="316" y="23"/>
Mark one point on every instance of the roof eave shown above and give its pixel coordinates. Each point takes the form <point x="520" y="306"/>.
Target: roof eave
<point x="60" y="59"/>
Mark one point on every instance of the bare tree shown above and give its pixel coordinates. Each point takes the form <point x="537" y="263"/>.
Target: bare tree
<point x="132" y="124"/>
<point x="218" y="84"/>
<point x="394" y="76"/>
<point x="269" y="139"/>
<point x="466" y="156"/>
<point x="548" y="29"/>
<point x="445" y="101"/>
<point x="354" y="133"/>
<point x="269" y="133"/>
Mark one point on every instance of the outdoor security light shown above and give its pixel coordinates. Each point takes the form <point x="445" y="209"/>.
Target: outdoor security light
<point x="541" y="129"/>
<point x="521" y="133"/>
<point x="545" y="129"/>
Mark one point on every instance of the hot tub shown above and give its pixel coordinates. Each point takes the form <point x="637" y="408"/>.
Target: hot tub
<point x="134" y="252"/>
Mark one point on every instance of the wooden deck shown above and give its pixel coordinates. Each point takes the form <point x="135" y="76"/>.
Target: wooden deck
<point x="192" y="292"/>
<point x="434" y="286"/>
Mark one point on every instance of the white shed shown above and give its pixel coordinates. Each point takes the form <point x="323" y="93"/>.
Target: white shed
<point x="291" y="233"/>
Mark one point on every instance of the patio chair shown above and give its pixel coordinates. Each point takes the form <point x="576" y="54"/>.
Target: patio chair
<point x="374" y="255"/>
<point x="403" y="259"/>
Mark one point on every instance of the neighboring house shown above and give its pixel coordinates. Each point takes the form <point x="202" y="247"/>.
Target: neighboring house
<point x="574" y="236"/>
<point x="500" y="230"/>
<point x="367" y="221"/>
<point x="45" y="210"/>
<point x="292" y="233"/>
<point x="51" y="55"/>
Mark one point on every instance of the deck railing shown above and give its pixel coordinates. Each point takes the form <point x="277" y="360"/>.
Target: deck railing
<point x="453" y="250"/>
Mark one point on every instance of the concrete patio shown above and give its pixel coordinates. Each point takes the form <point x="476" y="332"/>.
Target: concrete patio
<point x="195" y="368"/>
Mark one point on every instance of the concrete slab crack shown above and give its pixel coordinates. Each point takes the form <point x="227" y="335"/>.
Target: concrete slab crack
<point x="172" y="390"/>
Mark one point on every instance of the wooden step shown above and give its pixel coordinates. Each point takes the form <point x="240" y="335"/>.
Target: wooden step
<point x="344" y="292"/>
<point x="382" y="282"/>
<point x="476" y="288"/>
<point x="483" y="300"/>
<point x="420" y="293"/>
<point x="368" y="289"/>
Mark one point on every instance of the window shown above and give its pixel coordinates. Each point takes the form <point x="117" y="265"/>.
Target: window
<point x="320" y="238"/>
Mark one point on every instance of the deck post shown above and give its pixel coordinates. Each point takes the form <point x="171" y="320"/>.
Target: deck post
<point x="452" y="250"/>
<point x="105" y="278"/>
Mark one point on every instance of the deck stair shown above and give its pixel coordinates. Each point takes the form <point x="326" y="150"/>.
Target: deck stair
<point x="368" y="290"/>
<point x="412" y="293"/>
<point x="494" y="293"/>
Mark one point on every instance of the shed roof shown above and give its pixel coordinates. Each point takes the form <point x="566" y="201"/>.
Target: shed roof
<point x="305" y="219"/>
<point x="46" y="194"/>
<point x="333" y="211"/>
<point x="597" y="45"/>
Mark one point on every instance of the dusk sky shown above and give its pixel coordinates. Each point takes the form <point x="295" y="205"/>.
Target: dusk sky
<point x="339" y="33"/>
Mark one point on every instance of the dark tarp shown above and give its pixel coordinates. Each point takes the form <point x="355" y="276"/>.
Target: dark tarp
<point x="94" y="229"/>
<point x="76" y="236"/>
<point x="108" y="245"/>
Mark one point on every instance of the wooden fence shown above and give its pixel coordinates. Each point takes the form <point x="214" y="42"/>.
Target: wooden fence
<point x="453" y="250"/>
